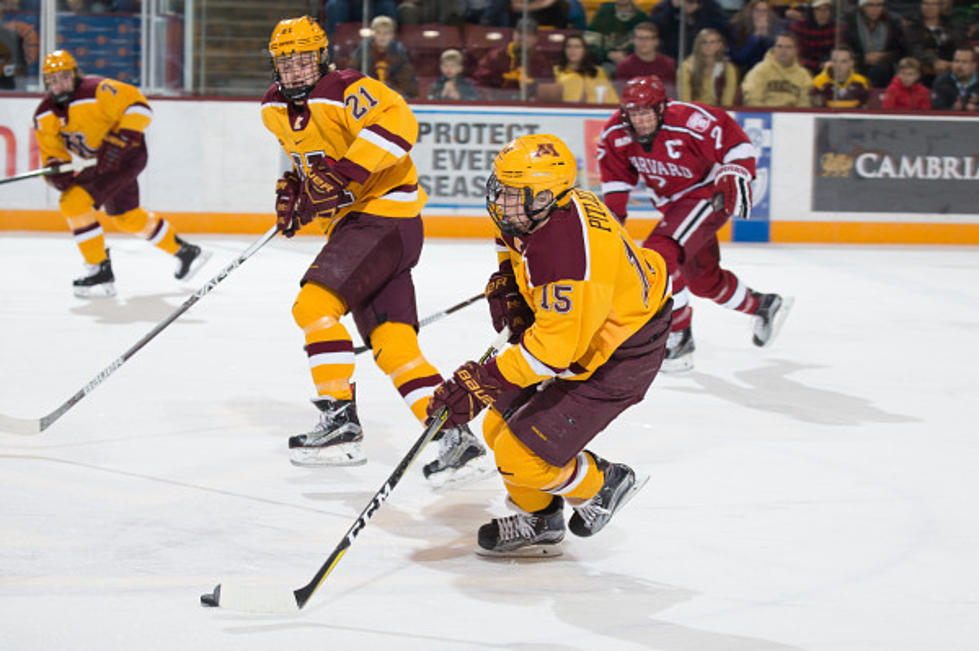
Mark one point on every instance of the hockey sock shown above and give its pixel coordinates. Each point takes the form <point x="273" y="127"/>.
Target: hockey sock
<point x="734" y="294"/>
<point x="156" y="230"/>
<point x="397" y="354"/>
<point x="330" y="349"/>
<point x="78" y="206"/>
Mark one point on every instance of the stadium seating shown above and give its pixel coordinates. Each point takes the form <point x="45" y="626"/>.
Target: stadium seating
<point x="425" y="44"/>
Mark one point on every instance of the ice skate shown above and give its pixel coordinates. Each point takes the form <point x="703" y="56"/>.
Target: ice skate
<point x="461" y="459"/>
<point x="99" y="282"/>
<point x="190" y="258"/>
<point x="767" y="321"/>
<point x="679" y="352"/>
<point x="336" y="439"/>
<point x="524" y="535"/>
<point x="620" y="485"/>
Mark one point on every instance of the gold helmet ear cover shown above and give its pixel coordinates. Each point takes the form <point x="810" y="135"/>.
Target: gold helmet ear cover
<point x="294" y="36"/>
<point x="533" y="164"/>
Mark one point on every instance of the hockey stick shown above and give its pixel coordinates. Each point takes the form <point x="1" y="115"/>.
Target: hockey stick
<point x="38" y="425"/>
<point x="257" y="599"/>
<point x="74" y="166"/>
<point x="432" y="318"/>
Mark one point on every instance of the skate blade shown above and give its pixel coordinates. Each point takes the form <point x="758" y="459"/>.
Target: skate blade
<point x="343" y="454"/>
<point x="479" y="468"/>
<point x="105" y="290"/>
<point x="196" y="265"/>
<point x="637" y="485"/>
<point x="677" y="365"/>
<point x="783" y="312"/>
<point x="530" y="551"/>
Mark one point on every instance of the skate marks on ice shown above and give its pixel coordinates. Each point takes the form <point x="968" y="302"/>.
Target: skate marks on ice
<point x="770" y="388"/>
<point x="135" y="308"/>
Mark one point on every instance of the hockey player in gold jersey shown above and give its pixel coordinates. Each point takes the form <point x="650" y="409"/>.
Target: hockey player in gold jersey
<point x="92" y="117"/>
<point x="349" y="138"/>
<point x="589" y="314"/>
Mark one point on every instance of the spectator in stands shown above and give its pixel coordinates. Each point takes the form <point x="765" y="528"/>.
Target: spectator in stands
<point x="753" y="31"/>
<point x="816" y="35"/>
<point x="707" y="76"/>
<point x="877" y="40"/>
<point x="838" y="85"/>
<point x="793" y="10"/>
<point x="581" y="80"/>
<point x="778" y="80"/>
<point x="386" y="59"/>
<point x="451" y="84"/>
<point x="501" y="68"/>
<point x="904" y="92"/>
<point x="931" y="39"/>
<point x="610" y="31"/>
<point x="346" y="11"/>
<point x="959" y="87"/>
<point x="550" y="13"/>
<point x="486" y="12"/>
<point x="647" y="60"/>
<point x="10" y="63"/>
<point x="700" y="14"/>
<point x="27" y="40"/>
<point x="445" y="12"/>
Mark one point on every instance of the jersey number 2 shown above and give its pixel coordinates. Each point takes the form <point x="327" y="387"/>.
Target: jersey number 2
<point x="356" y="108"/>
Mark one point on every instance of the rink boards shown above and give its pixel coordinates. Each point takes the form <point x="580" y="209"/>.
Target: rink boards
<point x="822" y="177"/>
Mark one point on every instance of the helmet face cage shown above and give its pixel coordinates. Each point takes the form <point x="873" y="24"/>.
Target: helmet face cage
<point x="512" y="208"/>
<point x="300" y="56"/>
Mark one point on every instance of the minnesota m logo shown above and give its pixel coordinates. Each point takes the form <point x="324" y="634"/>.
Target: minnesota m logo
<point x="545" y="149"/>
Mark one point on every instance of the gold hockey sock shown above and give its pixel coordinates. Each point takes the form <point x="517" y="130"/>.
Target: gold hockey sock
<point x="156" y="230"/>
<point x="397" y="353"/>
<point x="330" y="349"/>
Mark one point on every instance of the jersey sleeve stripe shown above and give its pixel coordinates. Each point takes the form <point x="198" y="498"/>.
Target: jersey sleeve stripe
<point x="380" y="137"/>
<point x="537" y="366"/>
<point x="140" y="109"/>
<point x="689" y="132"/>
<point x="616" y="186"/>
<point x="322" y="100"/>
<point x="694" y="107"/>
<point x="741" y="151"/>
<point x="352" y="170"/>
<point x="405" y="193"/>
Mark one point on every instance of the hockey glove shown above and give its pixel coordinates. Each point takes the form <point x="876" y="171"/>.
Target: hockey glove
<point x="732" y="191"/>
<point x="507" y="305"/>
<point x="60" y="181"/>
<point x="116" y="147"/>
<point x="287" y="191"/>
<point x="323" y="190"/>
<point x="465" y="394"/>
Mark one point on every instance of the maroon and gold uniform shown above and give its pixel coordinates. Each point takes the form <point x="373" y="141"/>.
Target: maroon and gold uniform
<point x="375" y="237"/>
<point x="97" y="108"/>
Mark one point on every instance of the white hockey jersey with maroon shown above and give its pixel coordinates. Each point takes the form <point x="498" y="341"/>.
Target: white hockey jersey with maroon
<point x="693" y="142"/>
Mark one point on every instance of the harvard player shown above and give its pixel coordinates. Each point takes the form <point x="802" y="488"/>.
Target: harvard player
<point x="349" y="138"/>
<point x="698" y="165"/>
<point x="92" y="117"/>
<point x="589" y="314"/>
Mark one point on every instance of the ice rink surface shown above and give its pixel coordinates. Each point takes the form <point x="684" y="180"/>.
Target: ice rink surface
<point x="819" y="494"/>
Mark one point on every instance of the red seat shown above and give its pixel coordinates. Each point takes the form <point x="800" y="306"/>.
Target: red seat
<point x="551" y="42"/>
<point x="425" y="44"/>
<point x="344" y="42"/>
<point x="480" y="39"/>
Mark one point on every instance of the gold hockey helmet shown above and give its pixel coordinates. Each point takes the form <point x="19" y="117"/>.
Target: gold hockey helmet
<point x="542" y="171"/>
<point x="295" y="36"/>
<point x="61" y="61"/>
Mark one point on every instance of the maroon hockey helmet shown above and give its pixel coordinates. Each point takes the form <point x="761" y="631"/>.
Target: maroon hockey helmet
<point x="640" y="93"/>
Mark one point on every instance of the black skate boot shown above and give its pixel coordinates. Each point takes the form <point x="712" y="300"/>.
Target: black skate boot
<point x="190" y="258"/>
<point x="679" y="351"/>
<point x="767" y="321"/>
<point x="461" y="459"/>
<point x="335" y="441"/>
<point x="620" y="485"/>
<point x="99" y="281"/>
<point x="524" y="534"/>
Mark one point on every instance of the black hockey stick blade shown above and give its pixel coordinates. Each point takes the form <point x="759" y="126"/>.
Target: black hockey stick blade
<point x="283" y="601"/>
<point x="433" y="317"/>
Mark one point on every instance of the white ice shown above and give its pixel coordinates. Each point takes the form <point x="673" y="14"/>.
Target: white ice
<point x="820" y="494"/>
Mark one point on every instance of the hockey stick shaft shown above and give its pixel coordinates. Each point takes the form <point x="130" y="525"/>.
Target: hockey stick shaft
<point x="35" y="426"/>
<point x="433" y="317"/>
<point x="258" y="600"/>
<point x="75" y="166"/>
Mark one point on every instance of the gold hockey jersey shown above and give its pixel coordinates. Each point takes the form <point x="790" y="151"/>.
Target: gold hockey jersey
<point x="362" y="126"/>
<point x="590" y="287"/>
<point x="98" y="106"/>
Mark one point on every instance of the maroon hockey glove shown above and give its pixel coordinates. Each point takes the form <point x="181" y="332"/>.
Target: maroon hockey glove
<point x="287" y="191"/>
<point x="465" y="394"/>
<point x="60" y="181"/>
<point x="507" y="305"/>
<point x="116" y="147"/>
<point x="732" y="191"/>
<point x="323" y="191"/>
